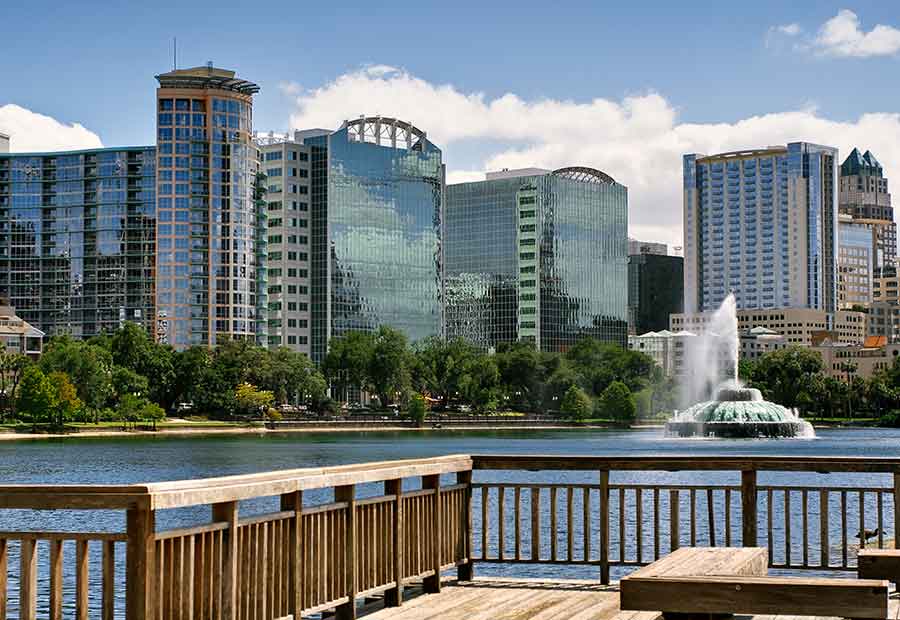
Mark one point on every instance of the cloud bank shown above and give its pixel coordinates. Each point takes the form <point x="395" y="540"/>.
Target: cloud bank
<point x="843" y="36"/>
<point x="638" y="140"/>
<point x="32" y="132"/>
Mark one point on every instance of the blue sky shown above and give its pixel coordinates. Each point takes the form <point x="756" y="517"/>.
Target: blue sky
<point x="695" y="63"/>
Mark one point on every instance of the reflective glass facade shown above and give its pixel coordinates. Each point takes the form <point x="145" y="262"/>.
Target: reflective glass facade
<point x="208" y="222"/>
<point x="77" y="236"/>
<point x="541" y="258"/>
<point x="376" y="231"/>
<point x="763" y="225"/>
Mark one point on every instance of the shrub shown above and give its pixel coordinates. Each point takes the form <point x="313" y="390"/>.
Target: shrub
<point x="417" y="409"/>
<point x="617" y="403"/>
<point x="576" y="405"/>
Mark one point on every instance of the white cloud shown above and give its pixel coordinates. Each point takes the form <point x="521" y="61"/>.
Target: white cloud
<point x="30" y="131"/>
<point x="842" y="36"/>
<point x="637" y="140"/>
<point x="289" y="88"/>
<point x="791" y="30"/>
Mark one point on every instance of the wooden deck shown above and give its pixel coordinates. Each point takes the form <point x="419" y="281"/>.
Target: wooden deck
<point x="526" y="599"/>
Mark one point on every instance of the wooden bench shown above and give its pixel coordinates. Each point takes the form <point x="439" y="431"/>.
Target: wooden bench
<point x="879" y="564"/>
<point x="723" y="581"/>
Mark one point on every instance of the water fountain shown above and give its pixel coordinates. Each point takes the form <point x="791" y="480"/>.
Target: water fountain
<point x="736" y="411"/>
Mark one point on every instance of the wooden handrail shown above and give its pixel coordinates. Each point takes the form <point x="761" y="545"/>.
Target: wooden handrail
<point x="822" y="464"/>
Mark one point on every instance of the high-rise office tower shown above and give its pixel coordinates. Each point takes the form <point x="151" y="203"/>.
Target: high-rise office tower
<point x="761" y="224"/>
<point x="536" y="256"/>
<point x="865" y="197"/>
<point x="655" y="287"/>
<point x="77" y="231"/>
<point x="208" y="224"/>
<point x="856" y="249"/>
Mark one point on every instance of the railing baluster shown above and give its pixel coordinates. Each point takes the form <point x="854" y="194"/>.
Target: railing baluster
<point x="787" y="527"/>
<point x="862" y="520"/>
<point x="517" y="500"/>
<point x="586" y="522"/>
<point x="56" y="580"/>
<point x="656" y="532"/>
<point x="433" y="584"/>
<point x="674" y="519"/>
<point x="604" y="527"/>
<point x="844" y="529"/>
<point x="879" y="498"/>
<point x="727" y="517"/>
<point x="711" y="517"/>
<point x="770" y="537"/>
<point x="805" y="516"/>
<point x="485" y="496"/>
<point x="466" y="572"/>
<point x="570" y="530"/>
<point x="824" y="533"/>
<point x="693" y="511"/>
<point x="109" y="580"/>
<point x="501" y="522"/>
<point x="553" y="532"/>
<point x="896" y="508"/>
<point x="536" y="524"/>
<point x="622" y="524"/>
<point x="28" y="580"/>
<point x="748" y="508"/>
<point x="4" y="561"/>
<point x="639" y="524"/>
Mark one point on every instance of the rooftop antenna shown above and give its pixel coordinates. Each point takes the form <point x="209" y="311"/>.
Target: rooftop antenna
<point x="174" y="53"/>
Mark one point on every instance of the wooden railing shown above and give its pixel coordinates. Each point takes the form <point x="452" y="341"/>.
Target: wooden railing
<point x="292" y="543"/>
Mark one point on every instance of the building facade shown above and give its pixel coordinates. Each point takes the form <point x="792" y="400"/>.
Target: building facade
<point x="536" y="256"/>
<point x="17" y="335"/>
<point x="761" y="224"/>
<point x="207" y="220"/>
<point x="655" y="290"/>
<point x="376" y="201"/>
<point x="77" y="238"/>
<point x="864" y="196"/>
<point x="854" y="263"/>
<point x="636" y="247"/>
<point x="4" y="143"/>
<point x="801" y="326"/>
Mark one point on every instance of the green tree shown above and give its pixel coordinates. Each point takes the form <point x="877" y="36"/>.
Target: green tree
<point x="601" y="363"/>
<point x="480" y="386"/>
<point x="388" y="367"/>
<point x="558" y="385"/>
<point x="126" y="381"/>
<point x="617" y="403"/>
<point x="784" y="374"/>
<point x="576" y="405"/>
<point x="37" y="396"/>
<point x="252" y="401"/>
<point x="521" y="374"/>
<point x="12" y="365"/>
<point x="66" y="398"/>
<point x="348" y="361"/>
<point x="417" y="409"/>
<point x="442" y="366"/>
<point x="89" y="366"/>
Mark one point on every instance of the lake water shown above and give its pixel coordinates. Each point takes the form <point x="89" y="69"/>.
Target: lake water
<point x="123" y="460"/>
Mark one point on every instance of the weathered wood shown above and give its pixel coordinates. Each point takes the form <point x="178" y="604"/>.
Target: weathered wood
<point x="228" y="512"/>
<point x="879" y="564"/>
<point x="748" y="508"/>
<point x="28" y="580"/>
<point x="466" y="570"/>
<point x="824" y="534"/>
<point x="82" y="584"/>
<point x="294" y="572"/>
<point x="432" y="583"/>
<point x="604" y="526"/>
<point x="896" y="506"/>
<point x="674" y="520"/>
<point x="347" y="611"/>
<point x="394" y="596"/>
<point x="535" y="524"/>
<point x="139" y="573"/>
<point x="56" y="580"/>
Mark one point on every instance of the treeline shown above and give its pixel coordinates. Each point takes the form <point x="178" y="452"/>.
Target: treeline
<point x="796" y="378"/>
<point x="126" y="376"/>
<point x="591" y="380"/>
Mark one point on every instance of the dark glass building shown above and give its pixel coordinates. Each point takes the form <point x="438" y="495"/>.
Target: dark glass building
<point x="77" y="230"/>
<point x="376" y="209"/>
<point x="538" y="256"/>
<point x="655" y="290"/>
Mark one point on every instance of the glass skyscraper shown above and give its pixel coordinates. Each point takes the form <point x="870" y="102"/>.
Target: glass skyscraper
<point x="377" y="201"/>
<point x="77" y="230"/>
<point x="537" y="256"/>
<point x="208" y="224"/>
<point x="761" y="224"/>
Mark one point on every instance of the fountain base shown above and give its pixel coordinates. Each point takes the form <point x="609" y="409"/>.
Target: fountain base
<point x="740" y="430"/>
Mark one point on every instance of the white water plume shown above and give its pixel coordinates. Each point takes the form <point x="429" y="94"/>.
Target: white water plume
<point x="712" y="357"/>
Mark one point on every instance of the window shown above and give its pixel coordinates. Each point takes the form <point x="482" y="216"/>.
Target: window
<point x="526" y="200"/>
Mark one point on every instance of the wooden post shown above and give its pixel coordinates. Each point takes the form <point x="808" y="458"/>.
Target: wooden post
<point x="228" y="512"/>
<point x="748" y="508"/>
<point x="674" y="519"/>
<point x="347" y="493"/>
<point x="466" y="571"/>
<point x="896" y="508"/>
<point x="394" y="596"/>
<point x="294" y="501"/>
<point x="604" y="527"/>
<point x="28" y="580"/>
<point x="140" y="569"/>
<point x="432" y="584"/>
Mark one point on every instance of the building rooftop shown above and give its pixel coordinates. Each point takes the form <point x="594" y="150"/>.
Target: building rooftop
<point x="857" y="163"/>
<point x="206" y="77"/>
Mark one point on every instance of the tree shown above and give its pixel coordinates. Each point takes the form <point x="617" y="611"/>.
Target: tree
<point x="521" y="374"/>
<point x="480" y="386"/>
<point x="89" y="366"/>
<point x="576" y="405"/>
<point x="348" y="361"/>
<point x="388" y="367"/>
<point x="442" y="366"/>
<point x="417" y="409"/>
<point x="559" y="384"/>
<point x="784" y="374"/>
<point x="67" y="402"/>
<point x="12" y="365"/>
<point x="601" y="363"/>
<point x="617" y="403"/>
<point x="37" y="395"/>
<point x="251" y="401"/>
<point x="126" y="381"/>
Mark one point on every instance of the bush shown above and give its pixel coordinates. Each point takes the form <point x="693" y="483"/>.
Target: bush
<point x="576" y="405"/>
<point x="417" y="410"/>
<point x="890" y="419"/>
<point x="273" y="415"/>
<point x="617" y="403"/>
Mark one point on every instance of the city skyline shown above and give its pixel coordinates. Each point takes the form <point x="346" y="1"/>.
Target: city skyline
<point x="632" y="114"/>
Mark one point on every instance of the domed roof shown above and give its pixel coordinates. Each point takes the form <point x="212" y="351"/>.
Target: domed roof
<point x="737" y="411"/>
